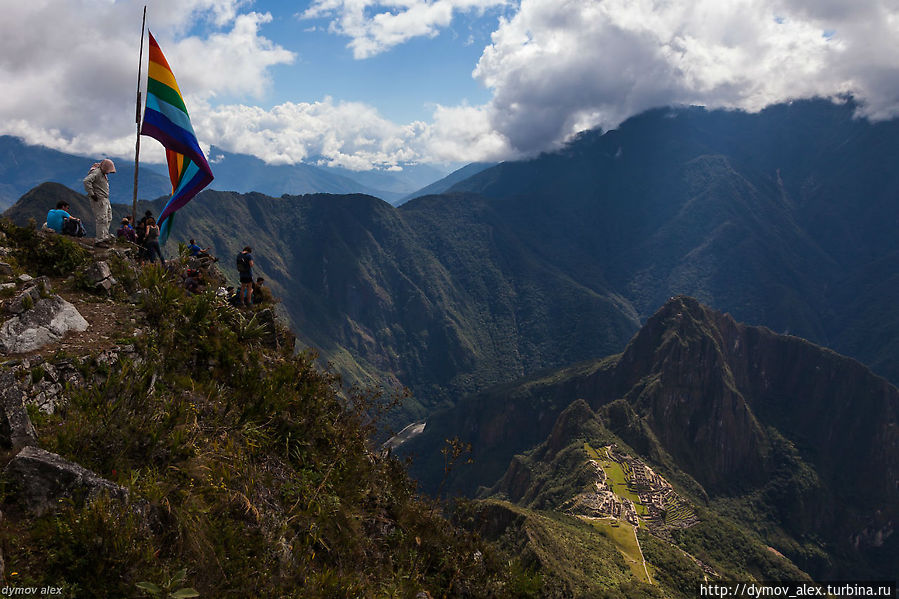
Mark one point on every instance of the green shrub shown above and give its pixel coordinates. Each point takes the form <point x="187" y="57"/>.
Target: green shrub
<point x="44" y="253"/>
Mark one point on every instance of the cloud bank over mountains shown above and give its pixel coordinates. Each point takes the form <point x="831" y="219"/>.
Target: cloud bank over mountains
<point x="553" y="68"/>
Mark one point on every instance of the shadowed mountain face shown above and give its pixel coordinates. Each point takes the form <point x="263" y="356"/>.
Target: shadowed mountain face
<point x="785" y="218"/>
<point x="443" y="296"/>
<point x="442" y="185"/>
<point x="798" y="442"/>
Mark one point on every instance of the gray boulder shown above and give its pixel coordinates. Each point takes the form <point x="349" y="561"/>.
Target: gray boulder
<point x="32" y="293"/>
<point x="41" y="478"/>
<point x="47" y="322"/>
<point x="16" y="430"/>
<point x="100" y="276"/>
<point x="96" y="272"/>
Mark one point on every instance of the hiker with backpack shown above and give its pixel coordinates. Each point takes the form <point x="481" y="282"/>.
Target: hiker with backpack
<point x="61" y="221"/>
<point x="245" y="272"/>
<point x="96" y="185"/>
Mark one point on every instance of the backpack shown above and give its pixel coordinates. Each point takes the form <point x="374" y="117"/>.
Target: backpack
<point x="243" y="263"/>
<point x="73" y="227"/>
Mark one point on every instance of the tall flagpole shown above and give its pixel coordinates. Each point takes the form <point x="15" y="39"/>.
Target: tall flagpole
<point x="140" y="62"/>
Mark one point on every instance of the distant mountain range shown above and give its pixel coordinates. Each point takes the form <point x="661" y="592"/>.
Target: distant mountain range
<point x="244" y="173"/>
<point x="24" y="166"/>
<point x="785" y="218"/>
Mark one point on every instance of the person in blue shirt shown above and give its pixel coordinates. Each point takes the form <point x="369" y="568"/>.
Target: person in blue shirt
<point x="196" y="250"/>
<point x="56" y="218"/>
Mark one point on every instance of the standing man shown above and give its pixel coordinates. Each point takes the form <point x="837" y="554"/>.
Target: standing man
<point x="96" y="185"/>
<point x="245" y="271"/>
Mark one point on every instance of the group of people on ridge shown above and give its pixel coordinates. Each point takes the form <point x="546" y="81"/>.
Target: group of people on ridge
<point x="146" y="235"/>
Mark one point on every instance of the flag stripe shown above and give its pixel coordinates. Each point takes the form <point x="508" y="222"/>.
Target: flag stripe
<point x="161" y="74"/>
<point x="156" y="125"/>
<point x="175" y="162"/>
<point x="192" y="181"/>
<point x="157" y="57"/>
<point x="166" y="94"/>
<point x="177" y="117"/>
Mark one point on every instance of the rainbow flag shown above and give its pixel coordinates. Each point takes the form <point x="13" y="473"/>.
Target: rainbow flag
<point x="166" y="119"/>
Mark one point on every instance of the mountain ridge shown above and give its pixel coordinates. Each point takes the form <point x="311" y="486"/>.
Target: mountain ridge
<point x="546" y="262"/>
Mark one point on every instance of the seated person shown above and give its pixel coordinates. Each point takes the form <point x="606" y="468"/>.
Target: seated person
<point x="126" y="231"/>
<point x="196" y="250"/>
<point x="57" y="218"/>
<point x="261" y="294"/>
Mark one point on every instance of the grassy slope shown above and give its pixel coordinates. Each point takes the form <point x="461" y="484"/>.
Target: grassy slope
<point x="244" y="464"/>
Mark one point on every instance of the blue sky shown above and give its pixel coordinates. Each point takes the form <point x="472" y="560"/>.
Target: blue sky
<point x="403" y="82"/>
<point x="382" y="84"/>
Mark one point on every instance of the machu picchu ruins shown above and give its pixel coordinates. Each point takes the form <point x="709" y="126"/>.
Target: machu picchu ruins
<point x="640" y="494"/>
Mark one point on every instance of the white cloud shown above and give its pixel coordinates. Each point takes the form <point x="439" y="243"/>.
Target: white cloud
<point x="69" y="69"/>
<point x="350" y="134"/>
<point x="378" y="25"/>
<point x="346" y="134"/>
<point x="233" y="62"/>
<point x="554" y="67"/>
<point x="559" y="66"/>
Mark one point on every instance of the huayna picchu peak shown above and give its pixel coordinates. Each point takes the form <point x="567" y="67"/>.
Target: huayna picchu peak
<point x="792" y="444"/>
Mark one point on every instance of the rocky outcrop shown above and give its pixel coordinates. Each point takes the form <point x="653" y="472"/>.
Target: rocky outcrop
<point x="47" y="322"/>
<point x="41" y="478"/>
<point x="99" y="276"/>
<point x="31" y="293"/>
<point x="16" y="430"/>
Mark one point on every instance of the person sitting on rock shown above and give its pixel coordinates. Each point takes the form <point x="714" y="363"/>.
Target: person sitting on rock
<point x="58" y="218"/>
<point x="195" y="250"/>
<point x="261" y="294"/>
